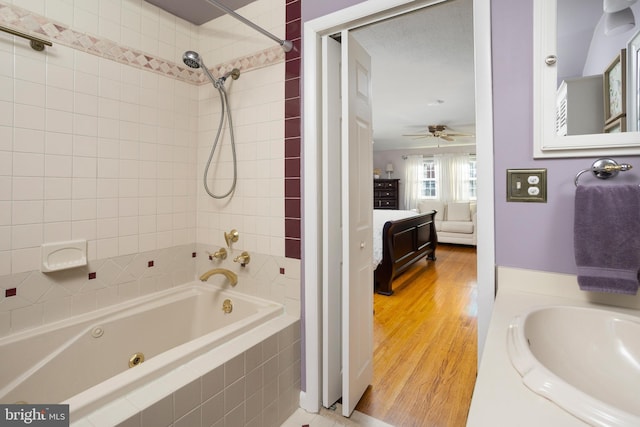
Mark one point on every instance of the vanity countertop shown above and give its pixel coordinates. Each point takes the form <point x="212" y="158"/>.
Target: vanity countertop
<point x="500" y="399"/>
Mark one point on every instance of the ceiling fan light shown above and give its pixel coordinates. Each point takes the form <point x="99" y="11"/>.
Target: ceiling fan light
<point x="619" y="22"/>
<point x="611" y="6"/>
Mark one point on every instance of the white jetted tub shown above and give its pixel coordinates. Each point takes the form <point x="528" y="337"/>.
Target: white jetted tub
<point x="89" y="359"/>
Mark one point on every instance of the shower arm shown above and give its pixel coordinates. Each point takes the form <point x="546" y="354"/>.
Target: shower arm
<point x="287" y="45"/>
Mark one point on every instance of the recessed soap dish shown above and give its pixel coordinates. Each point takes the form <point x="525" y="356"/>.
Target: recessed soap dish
<point x="63" y="255"/>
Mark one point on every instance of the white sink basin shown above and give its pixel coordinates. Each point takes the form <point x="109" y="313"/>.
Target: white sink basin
<point x="585" y="360"/>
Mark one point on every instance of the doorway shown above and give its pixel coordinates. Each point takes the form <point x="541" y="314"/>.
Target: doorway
<point x="313" y="264"/>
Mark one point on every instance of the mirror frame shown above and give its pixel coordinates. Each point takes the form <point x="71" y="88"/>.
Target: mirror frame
<point x="546" y="143"/>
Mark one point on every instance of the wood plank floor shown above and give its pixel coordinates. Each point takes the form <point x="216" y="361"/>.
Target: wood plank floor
<point x="425" y="344"/>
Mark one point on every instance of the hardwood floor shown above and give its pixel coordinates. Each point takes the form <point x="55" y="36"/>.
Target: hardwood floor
<point x="425" y="343"/>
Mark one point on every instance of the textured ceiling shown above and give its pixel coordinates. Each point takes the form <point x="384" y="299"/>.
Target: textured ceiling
<point x="197" y="11"/>
<point x="419" y="59"/>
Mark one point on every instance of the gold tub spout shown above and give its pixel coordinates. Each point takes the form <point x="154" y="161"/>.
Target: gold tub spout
<point x="233" y="277"/>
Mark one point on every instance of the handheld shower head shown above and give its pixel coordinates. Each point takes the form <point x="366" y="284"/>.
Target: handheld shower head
<point x="191" y="59"/>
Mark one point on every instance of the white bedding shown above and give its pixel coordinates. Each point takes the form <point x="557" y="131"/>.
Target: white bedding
<point x="380" y="217"/>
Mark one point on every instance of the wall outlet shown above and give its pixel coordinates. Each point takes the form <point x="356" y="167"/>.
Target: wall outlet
<point x="527" y="185"/>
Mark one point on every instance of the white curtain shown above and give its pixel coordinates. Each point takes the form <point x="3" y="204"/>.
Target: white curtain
<point x="413" y="172"/>
<point x="453" y="176"/>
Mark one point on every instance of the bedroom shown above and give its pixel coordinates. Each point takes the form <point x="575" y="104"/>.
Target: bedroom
<point x="425" y="47"/>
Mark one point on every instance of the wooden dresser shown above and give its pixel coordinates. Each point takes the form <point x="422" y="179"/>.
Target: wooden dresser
<point x="385" y="194"/>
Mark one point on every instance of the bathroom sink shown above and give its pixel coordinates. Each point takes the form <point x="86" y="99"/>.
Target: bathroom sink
<point x="585" y="360"/>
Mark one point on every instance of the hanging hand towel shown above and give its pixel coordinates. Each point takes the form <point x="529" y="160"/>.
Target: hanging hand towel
<point x="607" y="238"/>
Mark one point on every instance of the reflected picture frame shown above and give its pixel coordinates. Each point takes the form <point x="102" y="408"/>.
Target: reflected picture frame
<point x="633" y="83"/>
<point x="615" y="126"/>
<point x="615" y="88"/>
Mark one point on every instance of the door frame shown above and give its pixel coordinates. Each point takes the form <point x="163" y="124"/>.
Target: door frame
<point x="367" y="12"/>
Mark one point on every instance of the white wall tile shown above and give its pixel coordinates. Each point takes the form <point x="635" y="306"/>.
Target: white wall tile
<point x="26" y="236"/>
<point x="28" y="140"/>
<point x="86" y="104"/>
<point x="57" y="231"/>
<point x="6" y="113"/>
<point x="83" y="188"/>
<point x="85" y="146"/>
<point x="57" y="210"/>
<point x="107" y="248"/>
<point x="59" y="121"/>
<point x="29" y="93"/>
<point x="28" y="164"/>
<point x="85" y="125"/>
<point x="5" y="269"/>
<point x="59" y="99"/>
<point x="27" y="212"/>
<point x="107" y="228"/>
<point x="107" y="208"/>
<point x="83" y="230"/>
<point x="57" y="188"/>
<point x="58" y="143"/>
<point x="30" y="69"/>
<point x="6" y="163"/>
<point x="85" y="21"/>
<point x="57" y="165"/>
<point x="27" y="188"/>
<point x="6" y="138"/>
<point x="5" y="238"/>
<point x="107" y="188"/>
<point x="84" y="167"/>
<point x="29" y="117"/>
<point x="108" y="168"/>
<point x="83" y="209"/>
<point x="59" y="77"/>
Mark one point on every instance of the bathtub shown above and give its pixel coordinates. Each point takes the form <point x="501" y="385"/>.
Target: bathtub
<point x="89" y="360"/>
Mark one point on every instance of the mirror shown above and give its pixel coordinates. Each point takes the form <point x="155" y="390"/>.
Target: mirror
<point x="585" y="68"/>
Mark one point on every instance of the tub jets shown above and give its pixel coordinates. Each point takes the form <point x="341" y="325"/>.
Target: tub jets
<point x="136" y="359"/>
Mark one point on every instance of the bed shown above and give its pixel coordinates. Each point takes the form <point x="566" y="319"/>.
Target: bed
<point x="400" y="238"/>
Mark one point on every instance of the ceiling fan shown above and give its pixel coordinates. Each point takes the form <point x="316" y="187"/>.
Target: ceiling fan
<point x="438" y="131"/>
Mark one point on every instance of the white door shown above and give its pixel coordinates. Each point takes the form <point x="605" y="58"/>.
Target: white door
<point x="331" y="224"/>
<point x="357" y="218"/>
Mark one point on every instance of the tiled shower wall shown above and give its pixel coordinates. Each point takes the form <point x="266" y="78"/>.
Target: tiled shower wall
<point x="104" y="137"/>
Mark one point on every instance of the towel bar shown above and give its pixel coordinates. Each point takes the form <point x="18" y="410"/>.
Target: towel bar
<point x="604" y="169"/>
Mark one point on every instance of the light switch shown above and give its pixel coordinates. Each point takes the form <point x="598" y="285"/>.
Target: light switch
<point x="527" y="185"/>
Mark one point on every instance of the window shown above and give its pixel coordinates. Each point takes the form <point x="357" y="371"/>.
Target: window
<point x="450" y="177"/>
<point x="428" y="179"/>
<point x="473" y="178"/>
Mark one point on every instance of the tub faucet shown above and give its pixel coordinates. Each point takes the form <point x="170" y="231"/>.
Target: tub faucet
<point x="233" y="277"/>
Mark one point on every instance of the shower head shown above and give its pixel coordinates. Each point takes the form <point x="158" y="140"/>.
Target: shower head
<point x="191" y="59"/>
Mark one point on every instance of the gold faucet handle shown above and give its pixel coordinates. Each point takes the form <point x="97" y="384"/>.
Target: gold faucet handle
<point x="219" y="254"/>
<point x="231" y="236"/>
<point x="243" y="258"/>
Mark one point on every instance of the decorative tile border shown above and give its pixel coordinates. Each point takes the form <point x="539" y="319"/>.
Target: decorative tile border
<point x="31" y="23"/>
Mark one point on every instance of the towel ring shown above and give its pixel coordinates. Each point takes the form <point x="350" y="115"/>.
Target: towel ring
<point x="604" y="169"/>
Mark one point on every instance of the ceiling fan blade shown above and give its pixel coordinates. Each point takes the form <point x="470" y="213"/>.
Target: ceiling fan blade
<point x="447" y="138"/>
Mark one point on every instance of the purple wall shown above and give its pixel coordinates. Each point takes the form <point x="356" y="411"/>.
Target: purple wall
<point x="537" y="236"/>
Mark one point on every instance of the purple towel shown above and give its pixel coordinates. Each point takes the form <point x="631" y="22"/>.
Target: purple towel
<point x="607" y="238"/>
